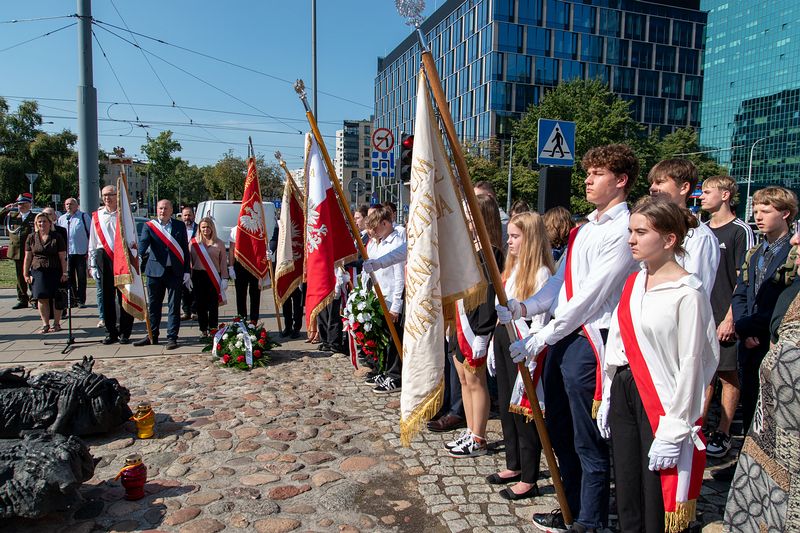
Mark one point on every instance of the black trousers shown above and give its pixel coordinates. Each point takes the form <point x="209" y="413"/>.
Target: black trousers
<point x="640" y="504"/>
<point x="188" y="303"/>
<point x="206" y="299"/>
<point x="329" y="324"/>
<point x="22" y="285"/>
<point x="394" y="365"/>
<point x="523" y="449"/>
<point x="749" y="372"/>
<point x="293" y="310"/>
<point x="125" y="325"/>
<point x="77" y="276"/>
<point x="247" y="285"/>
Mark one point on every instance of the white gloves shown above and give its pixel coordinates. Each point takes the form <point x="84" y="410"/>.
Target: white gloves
<point x="187" y="281"/>
<point x="510" y="312"/>
<point x="231" y="273"/>
<point x="94" y="273"/>
<point x="527" y="348"/>
<point x="479" y="346"/>
<point x="369" y="266"/>
<point x="224" y="285"/>
<point x="602" y="419"/>
<point x="491" y="366"/>
<point x="271" y="256"/>
<point x="663" y="455"/>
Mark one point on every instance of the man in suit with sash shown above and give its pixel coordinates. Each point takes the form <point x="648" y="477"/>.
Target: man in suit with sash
<point x="167" y="271"/>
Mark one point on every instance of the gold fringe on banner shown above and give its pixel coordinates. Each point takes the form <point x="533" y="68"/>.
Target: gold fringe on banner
<point x="679" y="519"/>
<point x="474" y="369"/>
<point x="421" y="414"/>
<point x="595" y="408"/>
<point x="519" y="410"/>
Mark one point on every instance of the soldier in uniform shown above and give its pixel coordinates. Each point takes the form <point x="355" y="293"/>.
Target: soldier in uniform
<point x="19" y="225"/>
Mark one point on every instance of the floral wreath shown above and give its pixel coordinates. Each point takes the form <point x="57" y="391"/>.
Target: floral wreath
<point x="240" y="345"/>
<point x="365" y="324"/>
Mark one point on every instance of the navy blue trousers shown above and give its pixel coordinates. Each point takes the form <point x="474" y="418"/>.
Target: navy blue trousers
<point x="156" y="288"/>
<point x="569" y="383"/>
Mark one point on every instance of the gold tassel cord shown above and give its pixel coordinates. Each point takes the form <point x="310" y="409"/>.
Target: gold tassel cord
<point x="524" y="411"/>
<point x="421" y="414"/>
<point x="679" y="519"/>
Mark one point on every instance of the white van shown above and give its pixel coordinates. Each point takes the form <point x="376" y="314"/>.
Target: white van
<point x="226" y="216"/>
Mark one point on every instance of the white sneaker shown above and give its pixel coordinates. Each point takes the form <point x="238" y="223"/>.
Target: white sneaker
<point x="458" y="441"/>
<point x="101" y="323"/>
<point x="469" y="448"/>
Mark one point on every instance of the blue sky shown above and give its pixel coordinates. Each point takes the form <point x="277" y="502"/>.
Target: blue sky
<point x="273" y="37"/>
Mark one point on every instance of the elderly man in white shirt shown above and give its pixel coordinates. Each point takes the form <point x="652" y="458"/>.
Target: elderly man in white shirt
<point x="78" y="226"/>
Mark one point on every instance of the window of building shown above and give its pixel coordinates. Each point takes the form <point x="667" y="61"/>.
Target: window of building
<point x="483" y="14"/>
<point x="648" y="83"/>
<point x="609" y="23"/>
<point x="461" y="52"/>
<point x="466" y="104"/>
<point x="571" y="70"/>
<point x="635" y="103"/>
<point x="665" y="58"/>
<point x="477" y="73"/>
<point x="503" y="10"/>
<point x="565" y="45"/>
<point x="688" y="60"/>
<point x="480" y="99"/>
<point x="654" y="110"/>
<point x="598" y="72"/>
<point x="509" y="38"/>
<point x="583" y="18"/>
<point x="641" y="54"/>
<point x="659" y="30"/>
<point x="557" y="14"/>
<point x="691" y="88"/>
<point x="670" y="85"/>
<point x="495" y="66"/>
<point x="365" y="152"/>
<point x="634" y="26"/>
<point x="472" y="48"/>
<point x="681" y="33"/>
<point x="530" y="12"/>
<point x="501" y="95"/>
<point x="505" y="123"/>
<point x="546" y="71"/>
<point x="538" y="41"/>
<point x="624" y="79"/>
<point x="518" y="68"/>
<point x="486" y="40"/>
<point x="617" y="52"/>
<point x="591" y="48"/>
<point x="678" y="112"/>
<point x="525" y="96"/>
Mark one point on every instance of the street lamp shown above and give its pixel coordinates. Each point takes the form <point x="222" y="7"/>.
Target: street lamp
<point x="748" y="205"/>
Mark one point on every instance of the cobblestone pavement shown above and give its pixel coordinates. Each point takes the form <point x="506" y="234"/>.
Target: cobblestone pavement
<point x="300" y="445"/>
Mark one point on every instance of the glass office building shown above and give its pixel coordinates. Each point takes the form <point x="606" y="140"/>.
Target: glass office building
<point x="751" y="102"/>
<point x="497" y="57"/>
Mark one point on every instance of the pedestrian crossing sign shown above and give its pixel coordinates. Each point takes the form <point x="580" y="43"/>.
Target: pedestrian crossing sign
<point x="556" y="143"/>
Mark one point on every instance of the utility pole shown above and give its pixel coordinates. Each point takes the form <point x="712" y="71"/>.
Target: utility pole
<point x="314" y="57"/>
<point x="88" y="171"/>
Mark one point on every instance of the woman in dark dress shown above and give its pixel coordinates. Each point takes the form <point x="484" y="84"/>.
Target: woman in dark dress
<point x="45" y="268"/>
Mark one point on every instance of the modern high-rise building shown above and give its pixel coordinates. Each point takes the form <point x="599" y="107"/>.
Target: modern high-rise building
<point x="352" y="160"/>
<point x="497" y="57"/>
<point x="751" y="98"/>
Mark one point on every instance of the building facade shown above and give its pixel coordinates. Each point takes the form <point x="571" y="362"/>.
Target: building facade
<point x="352" y="160"/>
<point x="136" y="172"/>
<point x="751" y="101"/>
<point x="498" y="57"/>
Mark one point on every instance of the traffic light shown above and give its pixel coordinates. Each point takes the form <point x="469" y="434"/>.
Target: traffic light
<point x="406" y="154"/>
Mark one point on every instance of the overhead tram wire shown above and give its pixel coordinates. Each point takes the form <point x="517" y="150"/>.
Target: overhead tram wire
<point x="153" y="70"/>
<point x="230" y="63"/>
<point x="114" y="72"/>
<point x="38" y="37"/>
<point x="37" y="19"/>
<point x="198" y="78"/>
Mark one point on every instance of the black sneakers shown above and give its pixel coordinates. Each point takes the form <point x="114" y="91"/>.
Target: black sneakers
<point x="387" y="385"/>
<point x="552" y="522"/>
<point x="719" y="444"/>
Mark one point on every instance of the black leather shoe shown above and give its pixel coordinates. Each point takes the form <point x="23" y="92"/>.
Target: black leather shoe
<point x="172" y="344"/>
<point x="509" y="494"/>
<point x="295" y="334"/>
<point x="124" y="340"/>
<point x="324" y="347"/>
<point x="286" y="332"/>
<point x="145" y="342"/>
<point x="20" y="305"/>
<point x="494" y="479"/>
<point x="109" y="340"/>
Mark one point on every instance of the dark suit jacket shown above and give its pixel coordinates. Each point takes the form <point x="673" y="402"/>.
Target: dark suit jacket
<point x="752" y="311"/>
<point x="152" y="245"/>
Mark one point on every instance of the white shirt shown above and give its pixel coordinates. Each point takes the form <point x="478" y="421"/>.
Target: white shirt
<point x="539" y="320"/>
<point x="678" y="327"/>
<point x="392" y="278"/>
<point x="108" y="220"/>
<point x="702" y="256"/>
<point x="77" y="231"/>
<point x="601" y="261"/>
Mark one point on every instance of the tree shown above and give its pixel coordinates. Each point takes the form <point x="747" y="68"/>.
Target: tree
<point x="226" y="178"/>
<point x="162" y="164"/>
<point x="601" y="118"/>
<point x="684" y="143"/>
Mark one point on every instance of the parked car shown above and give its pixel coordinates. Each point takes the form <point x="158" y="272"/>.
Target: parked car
<point x="226" y="216"/>
<point x="4" y="252"/>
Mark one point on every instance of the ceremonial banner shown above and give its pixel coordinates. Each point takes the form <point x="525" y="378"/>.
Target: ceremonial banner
<point x="251" y="232"/>
<point x="127" y="273"/>
<point x="328" y="239"/>
<point x="289" y="256"/>
<point x="441" y="268"/>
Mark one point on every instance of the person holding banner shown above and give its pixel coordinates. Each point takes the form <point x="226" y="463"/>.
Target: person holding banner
<point x="167" y="271"/>
<point x="583" y="294"/>
<point x="101" y="267"/>
<point x="661" y="354"/>
<point x="209" y="275"/>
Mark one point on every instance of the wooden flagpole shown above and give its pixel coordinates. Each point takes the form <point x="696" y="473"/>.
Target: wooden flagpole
<point x="299" y="87"/>
<point x="252" y="153"/>
<point x="138" y="260"/>
<point x="494" y="272"/>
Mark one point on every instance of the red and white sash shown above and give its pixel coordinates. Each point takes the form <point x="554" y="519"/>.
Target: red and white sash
<point x="465" y="337"/>
<point x="103" y="236"/>
<point x="680" y="486"/>
<point x="591" y="331"/>
<point x="167" y="238"/>
<point x="211" y="268"/>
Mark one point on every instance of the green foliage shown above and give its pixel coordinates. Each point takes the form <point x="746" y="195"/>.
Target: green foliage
<point x="162" y="164"/>
<point x="226" y="178"/>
